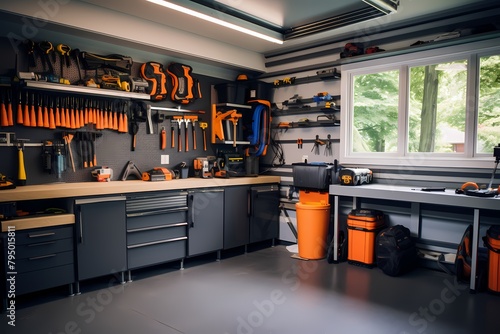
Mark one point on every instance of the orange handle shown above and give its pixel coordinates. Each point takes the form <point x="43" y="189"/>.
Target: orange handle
<point x="26" y="116"/>
<point x="163" y="139"/>
<point x="40" y="117"/>
<point x="46" y="117"/>
<point x="33" y="116"/>
<point x="20" y="118"/>
<point x="58" y="117"/>
<point x="4" y="121"/>
<point x="77" y="119"/>
<point x="52" y="119"/>
<point x="10" y="115"/>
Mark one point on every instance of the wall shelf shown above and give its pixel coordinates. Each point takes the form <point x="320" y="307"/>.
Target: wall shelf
<point x="303" y="110"/>
<point x="83" y="90"/>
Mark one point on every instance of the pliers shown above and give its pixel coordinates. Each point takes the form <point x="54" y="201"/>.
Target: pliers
<point x="299" y="143"/>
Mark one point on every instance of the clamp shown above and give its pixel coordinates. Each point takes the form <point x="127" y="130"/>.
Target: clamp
<point x="131" y="169"/>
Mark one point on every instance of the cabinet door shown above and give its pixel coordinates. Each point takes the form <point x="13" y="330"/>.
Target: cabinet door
<point x="236" y="213"/>
<point x="205" y="221"/>
<point x="101" y="238"/>
<point x="264" y="213"/>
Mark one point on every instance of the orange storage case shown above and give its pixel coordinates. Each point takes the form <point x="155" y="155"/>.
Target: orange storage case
<point x="363" y="226"/>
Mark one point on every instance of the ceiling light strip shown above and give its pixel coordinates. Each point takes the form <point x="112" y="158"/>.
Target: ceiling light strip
<point x="215" y="20"/>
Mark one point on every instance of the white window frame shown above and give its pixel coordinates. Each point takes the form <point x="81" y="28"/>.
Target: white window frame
<point x="469" y="159"/>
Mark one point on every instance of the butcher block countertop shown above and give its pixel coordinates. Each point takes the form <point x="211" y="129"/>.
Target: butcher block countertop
<point x="81" y="189"/>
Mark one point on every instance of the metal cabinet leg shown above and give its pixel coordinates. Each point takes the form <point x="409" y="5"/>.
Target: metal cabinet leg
<point x="475" y="242"/>
<point x="77" y="288"/>
<point x="182" y="264"/>
<point x="129" y="274"/>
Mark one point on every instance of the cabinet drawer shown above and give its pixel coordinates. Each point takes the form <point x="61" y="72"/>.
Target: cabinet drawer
<point x="44" y="248"/>
<point x="139" y="222"/>
<point x="43" y="234"/>
<point x="156" y="233"/>
<point x="44" y="261"/>
<point x="44" y="279"/>
<point x="156" y="253"/>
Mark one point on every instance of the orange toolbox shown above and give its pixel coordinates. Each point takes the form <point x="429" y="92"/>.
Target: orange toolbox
<point x="492" y="242"/>
<point x="363" y="226"/>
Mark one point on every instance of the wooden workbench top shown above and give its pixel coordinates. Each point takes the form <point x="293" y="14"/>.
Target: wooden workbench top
<point x="81" y="189"/>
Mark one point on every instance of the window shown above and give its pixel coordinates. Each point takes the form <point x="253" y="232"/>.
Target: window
<point x="437" y="103"/>
<point x="488" y="122"/>
<point x="434" y="108"/>
<point x="376" y="112"/>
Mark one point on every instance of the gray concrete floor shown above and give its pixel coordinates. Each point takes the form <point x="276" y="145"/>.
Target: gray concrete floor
<point x="264" y="291"/>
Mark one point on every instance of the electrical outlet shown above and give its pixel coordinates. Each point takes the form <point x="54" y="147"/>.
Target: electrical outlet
<point x="165" y="159"/>
<point x="304" y="158"/>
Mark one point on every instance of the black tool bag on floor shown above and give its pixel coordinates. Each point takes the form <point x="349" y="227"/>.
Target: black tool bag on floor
<point x="395" y="250"/>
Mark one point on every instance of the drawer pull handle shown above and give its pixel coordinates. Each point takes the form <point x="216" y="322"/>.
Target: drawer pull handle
<point x="41" y="257"/>
<point x="158" y="227"/>
<point x="42" y="244"/>
<point x="41" y="235"/>
<point x="156" y="242"/>
<point x="156" y="212"/>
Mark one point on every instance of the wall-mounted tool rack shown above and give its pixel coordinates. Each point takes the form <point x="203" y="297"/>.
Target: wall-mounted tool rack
<point x="84" y="90"/>
<point x="219" y="108"/>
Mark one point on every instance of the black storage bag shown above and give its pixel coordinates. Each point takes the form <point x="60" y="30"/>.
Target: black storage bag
<point x="395" y="250"/>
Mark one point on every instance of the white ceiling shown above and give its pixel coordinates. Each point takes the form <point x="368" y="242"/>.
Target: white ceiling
<point x="285" y="13"/>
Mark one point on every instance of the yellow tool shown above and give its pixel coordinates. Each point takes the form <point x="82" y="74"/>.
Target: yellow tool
<point x="21" y="176"/>
<point x="204" y="126"/>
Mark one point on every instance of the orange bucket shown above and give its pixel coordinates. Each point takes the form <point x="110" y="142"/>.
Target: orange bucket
<point x="492" y="242"/>
<point x="313" y="219"/>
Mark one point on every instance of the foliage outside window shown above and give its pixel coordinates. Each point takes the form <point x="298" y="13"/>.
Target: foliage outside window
<point x="423" y="109"/>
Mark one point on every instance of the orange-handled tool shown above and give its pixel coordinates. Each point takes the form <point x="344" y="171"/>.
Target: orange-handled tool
<point x="4" y="121"/>
<point x="26" y="116"/>
<point x="39" y="115"/>
<point x="10" y="115"/>
<point x="20" y="117"/>
<point x="163" y="138"/>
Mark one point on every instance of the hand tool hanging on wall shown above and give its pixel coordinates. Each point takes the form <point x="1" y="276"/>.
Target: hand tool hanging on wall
<point x="186" y="133"/>
<point x="328" y="145"/>
<point x="4" y="121"/>
<point x="20" y="116"/>
<point x="10" y="114"/>
<point x="33" y="122"/>
<point x="178" y="120"/>
<point x="163" y="138"/>
<point x="21" y="174"/>
<point x="68" y="138"/>
<point x="191" y="119"/>
<point x="26" y="111"/>
<point x="134" y="128"/>
<point x="204" y="126"/>
<point x="317" y="143"/>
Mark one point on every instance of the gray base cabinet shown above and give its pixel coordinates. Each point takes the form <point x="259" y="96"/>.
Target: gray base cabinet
<point x="205" y="221"/>
<point x="236" y="214"/>
<point x="44" y="258"/>
<point x="101" y="238"/>
<point x="156" y="228"/>
<point x="264" y="212"/>
<point x="251" y="214"/>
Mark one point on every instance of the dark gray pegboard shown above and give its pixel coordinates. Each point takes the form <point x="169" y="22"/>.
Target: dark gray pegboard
<point x="113" y="149"/>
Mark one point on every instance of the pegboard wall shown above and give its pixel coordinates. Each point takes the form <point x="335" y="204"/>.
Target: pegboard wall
<point x="112" y="148"/>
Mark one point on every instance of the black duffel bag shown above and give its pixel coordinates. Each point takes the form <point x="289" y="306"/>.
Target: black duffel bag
<point x="395" y="250"/>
